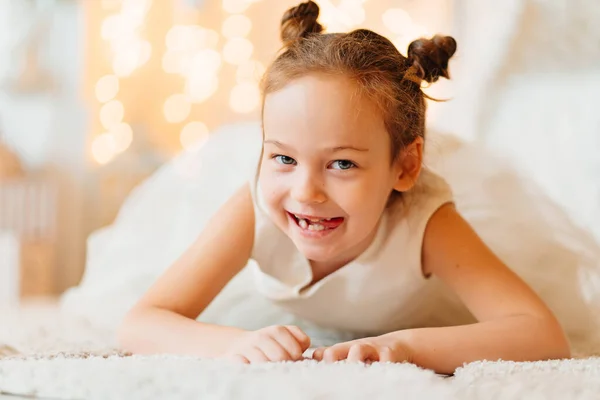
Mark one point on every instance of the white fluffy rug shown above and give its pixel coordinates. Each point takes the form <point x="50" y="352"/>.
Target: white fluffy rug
<point x="47" y="355"/>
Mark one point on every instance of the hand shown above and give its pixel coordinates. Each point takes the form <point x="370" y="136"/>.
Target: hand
<point x="270" y="344"/>
<point x="368" y="350"/>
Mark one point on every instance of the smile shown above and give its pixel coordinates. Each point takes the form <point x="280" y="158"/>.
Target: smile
<point x="315" y="225"/>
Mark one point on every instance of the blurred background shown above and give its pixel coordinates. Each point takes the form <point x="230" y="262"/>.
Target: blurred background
<point x="96" y="95"/>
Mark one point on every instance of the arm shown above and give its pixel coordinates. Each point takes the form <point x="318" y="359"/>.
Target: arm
<point x="163" y="321"/>
<point x="514" y="323"/>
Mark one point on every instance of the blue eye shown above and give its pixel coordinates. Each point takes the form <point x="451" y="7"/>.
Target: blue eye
<point x="285" y="160"/>
<point x="343" y="164"/>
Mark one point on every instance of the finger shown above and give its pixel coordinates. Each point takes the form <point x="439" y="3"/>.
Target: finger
<point x="336" y="353"/>
<point x="300" y="336"/>
<point x="289" y="343"/>
<point x="387" y="355"/>
<point x="362" y="353"/>
<point x="318" y="353"/>
<point x="275" y="351"/>
<point x="238" y="358"/>
<point x="255" y="355"/>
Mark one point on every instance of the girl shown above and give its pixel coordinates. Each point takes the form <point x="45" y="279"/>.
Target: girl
<point x="347" y="229"/>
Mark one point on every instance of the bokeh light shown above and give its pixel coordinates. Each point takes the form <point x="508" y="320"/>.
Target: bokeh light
<point x="177" y="108"/>
<point x="244" y="98"/>
<point x="107" y="88"/>
<point x="104" y="148"/>
<point x="250" y="71"/>
<point x="111" y="114"/>
<point x="237" y="50"/>
<point x="123" y="137"/>
<point x="237" y="25"/>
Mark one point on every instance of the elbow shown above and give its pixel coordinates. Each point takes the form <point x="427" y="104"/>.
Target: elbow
<point x="127" y="337"/>
<point x="557" y="344"/>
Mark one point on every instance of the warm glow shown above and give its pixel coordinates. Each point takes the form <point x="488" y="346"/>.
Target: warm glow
<point x="104" y="148"/>
<point x="206" y="62"/>
<point x="333" y="18"/>
<point x="145" y="52"/>
<point x="211" y="38"/>
<point x="237" y="50"/>
<point x="176" y="37"/>
<point x="174" y="62"/>
<point x="125" y="63"/>
<point x="114" y="27"/>
<point x="194" y="135"/>
<point x="111" y="114"/>
<point x="236" y="26"/>
<point x="107" y="88"/>
<point x="200" y="87"/>
<point x="236" y="6"/>
<point x="135" y="10"/>
<point x="123" y="137"/>
<point x="250" y="71"/>
<point x="401" y="44"/>
<point x="177" y="108"/>
<point x="397" y="20"/>
<point x="354" y="10"/>
<point x="191" y="38"/>
<point x="110" y="5"/>
<point x="244" y="97"/>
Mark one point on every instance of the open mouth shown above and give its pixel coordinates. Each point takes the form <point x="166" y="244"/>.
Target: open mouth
<point x="316" y="224"/>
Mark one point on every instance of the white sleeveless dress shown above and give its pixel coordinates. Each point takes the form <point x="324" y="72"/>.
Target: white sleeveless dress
<point x="380" y="291"/>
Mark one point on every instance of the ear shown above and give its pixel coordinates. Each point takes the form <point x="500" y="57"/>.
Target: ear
<point x="408" y="165"/>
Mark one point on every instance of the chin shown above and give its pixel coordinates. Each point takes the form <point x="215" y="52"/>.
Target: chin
<point x="318" y="253"/>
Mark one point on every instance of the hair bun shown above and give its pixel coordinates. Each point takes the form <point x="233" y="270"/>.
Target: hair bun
<point x="300" y="21"/>
<point x="430" y="57"/>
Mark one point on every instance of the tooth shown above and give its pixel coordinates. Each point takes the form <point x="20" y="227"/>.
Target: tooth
<point x="303" y="224"/>
<point x="316" y="227"/>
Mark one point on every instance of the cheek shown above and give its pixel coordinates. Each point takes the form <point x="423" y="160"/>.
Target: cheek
<point x="366" y="199"/>
<point x="272" y="189"/>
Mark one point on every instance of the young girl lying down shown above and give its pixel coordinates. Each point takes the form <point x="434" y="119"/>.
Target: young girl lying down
<point x="346" y="225"/>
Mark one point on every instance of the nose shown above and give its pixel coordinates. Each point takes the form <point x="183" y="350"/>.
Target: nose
<point x="308" y="189"/>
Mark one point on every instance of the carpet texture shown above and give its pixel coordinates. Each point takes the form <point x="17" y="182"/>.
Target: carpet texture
<point x="48" y="355"/>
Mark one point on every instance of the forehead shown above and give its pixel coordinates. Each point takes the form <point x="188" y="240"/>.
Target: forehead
<point x="329" y="107"/>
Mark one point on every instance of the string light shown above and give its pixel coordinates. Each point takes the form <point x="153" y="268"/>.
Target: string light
<point x="237" y="50"/>
<point x="193" y="52"/>
<point x="129" y="53"/>
<point x="206" y="61"/>
<point x="111" y="114"/>
<point x="107" y="88"/>
<point x="177" y="108"/>
<point x="123" y="137"/>
<point x="236" y="26"/>
<point x="199" y="88"/>
<point x="104" y="148"/>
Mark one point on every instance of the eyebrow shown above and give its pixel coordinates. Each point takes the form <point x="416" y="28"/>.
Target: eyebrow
<point x="331" y="149"/>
